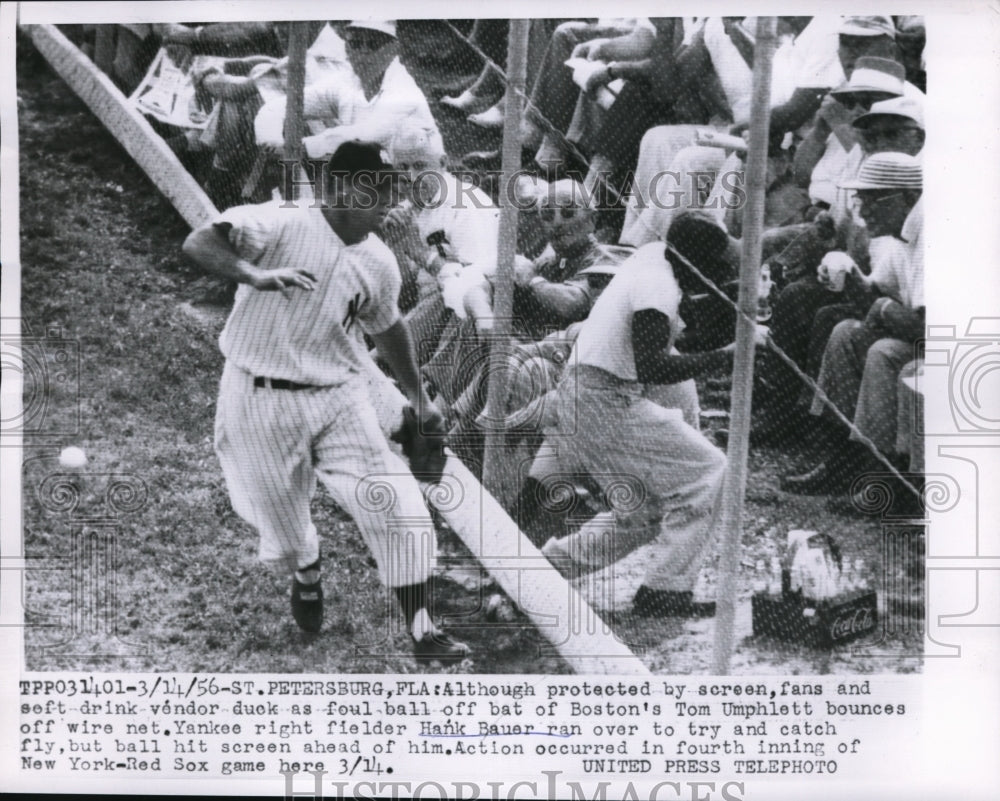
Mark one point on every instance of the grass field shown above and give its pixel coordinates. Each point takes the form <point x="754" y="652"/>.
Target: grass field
<point x="102" y="269"/>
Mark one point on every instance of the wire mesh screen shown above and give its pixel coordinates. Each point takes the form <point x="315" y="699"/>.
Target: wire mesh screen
<point x="632" y="147"/>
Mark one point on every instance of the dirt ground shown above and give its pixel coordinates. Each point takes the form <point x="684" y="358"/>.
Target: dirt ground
<point x="173" y="569"/>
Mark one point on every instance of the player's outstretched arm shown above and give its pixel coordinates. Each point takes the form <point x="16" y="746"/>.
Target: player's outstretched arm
<point x="396" y="346"/>
<point x="211" y="249"/>
<point x="655" y="365"/>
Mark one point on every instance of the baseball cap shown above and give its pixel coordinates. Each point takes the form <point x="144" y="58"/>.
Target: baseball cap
<point x="908" y="107"/>
<point x="355" y="157"/>
<point x="386" y="26"/>
<point x="888" y="171"/>
<point x="867" y="26"/>
<point x="874" y="74"/>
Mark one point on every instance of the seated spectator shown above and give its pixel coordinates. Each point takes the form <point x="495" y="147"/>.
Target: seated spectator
<point x="806" y="310"/>
<point x="370" y="102"/>
<point x="862" y="360"/>
<point x="561" y="118"/>
<point x="612" y="429"/>
<point x="805" y="67"/>
<point x="445" y="228"/>
<point x="490" y="36"/>
<point x="550" y="293"/>
<point x="249" y="95"/>
<point x="707" y="82"/>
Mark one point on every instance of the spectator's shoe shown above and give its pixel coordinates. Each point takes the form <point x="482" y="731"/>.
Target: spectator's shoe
<point x="468" y="102"/>
<point x="437" y="646"/>
<point x="812" y="482"/>
<point x="669" y="603"/>
<point x="491" y="118"/>
<point x="307" y="605"/>
<point x="826" y="478"/>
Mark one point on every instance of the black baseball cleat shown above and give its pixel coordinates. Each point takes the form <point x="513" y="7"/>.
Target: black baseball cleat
<point x="437" y="646"/>
<point x="307" y="605"/>
<point x="670" y="603"/>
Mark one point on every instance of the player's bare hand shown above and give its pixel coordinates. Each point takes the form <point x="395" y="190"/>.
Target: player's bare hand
<point x="282" y="279"/>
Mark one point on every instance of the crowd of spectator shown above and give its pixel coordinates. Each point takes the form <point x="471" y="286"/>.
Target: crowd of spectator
<point x="633" y="159"/>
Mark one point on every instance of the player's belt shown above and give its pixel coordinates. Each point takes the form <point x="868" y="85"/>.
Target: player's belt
<point x="261" y="382"/>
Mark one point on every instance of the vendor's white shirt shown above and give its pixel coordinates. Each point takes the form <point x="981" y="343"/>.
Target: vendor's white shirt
<point x="644" y="281"/>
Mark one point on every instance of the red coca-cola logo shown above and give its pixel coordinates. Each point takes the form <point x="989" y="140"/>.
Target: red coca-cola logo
<point x="853" y="621"/>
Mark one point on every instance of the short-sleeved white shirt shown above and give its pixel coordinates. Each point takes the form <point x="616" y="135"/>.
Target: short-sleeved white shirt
<point x="466" y="216"/>
<point x="308" y="337"/>
<point x="644" y="281"/>
<point x="898" y="264"/>
<point x="398" y="104"/>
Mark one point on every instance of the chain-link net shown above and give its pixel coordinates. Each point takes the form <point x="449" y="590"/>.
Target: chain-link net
<point x="590" y="122"/>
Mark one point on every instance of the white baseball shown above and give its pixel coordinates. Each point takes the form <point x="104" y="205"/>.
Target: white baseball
<point x="72" y="457"/>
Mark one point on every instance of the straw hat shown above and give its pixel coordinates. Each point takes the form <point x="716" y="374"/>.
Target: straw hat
<point x="908" y="107"/>
<point x="386" y="26"/>
<point x="888" y="171"/>
<point x="874" y="74"/>
<point x="867" y="26"/>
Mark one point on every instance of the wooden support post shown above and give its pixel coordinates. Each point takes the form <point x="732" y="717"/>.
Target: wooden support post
<point x="497" y="471"/>
<point x="734" y="486"/>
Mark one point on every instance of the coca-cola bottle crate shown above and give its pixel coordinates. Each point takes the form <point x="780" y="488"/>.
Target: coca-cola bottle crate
<point x="817" y="623"/>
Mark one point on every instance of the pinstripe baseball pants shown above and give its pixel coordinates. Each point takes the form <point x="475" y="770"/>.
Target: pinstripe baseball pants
<point x="274" y="443"/>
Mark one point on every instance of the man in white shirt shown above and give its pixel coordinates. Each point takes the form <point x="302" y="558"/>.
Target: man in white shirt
<point x="294" y="403"/>
<point x="445" y="226"/>
<point x="610" y="432"/>
<point x="371" y="102"/>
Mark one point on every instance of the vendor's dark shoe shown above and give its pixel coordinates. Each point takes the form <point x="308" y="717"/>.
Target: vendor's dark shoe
<point x="437" y="646"/>
<point x="307" y="605"/>
<point x="669" y="603"/>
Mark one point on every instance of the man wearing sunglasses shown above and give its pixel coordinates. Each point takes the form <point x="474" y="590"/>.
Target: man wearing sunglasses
<point x="862" y="359"/>
<point x="550" y="292"/>
<point x="373" y="101"/>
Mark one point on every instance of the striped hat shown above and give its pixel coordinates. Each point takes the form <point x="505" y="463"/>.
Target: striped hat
<point x="867" y="26"/>
<point x="888" y="171"/>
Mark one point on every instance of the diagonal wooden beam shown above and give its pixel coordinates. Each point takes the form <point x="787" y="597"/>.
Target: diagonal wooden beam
<point x="125" y="123"/>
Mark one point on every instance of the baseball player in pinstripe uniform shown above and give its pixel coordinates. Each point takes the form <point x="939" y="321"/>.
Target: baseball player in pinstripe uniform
<point x="294" y="402"/>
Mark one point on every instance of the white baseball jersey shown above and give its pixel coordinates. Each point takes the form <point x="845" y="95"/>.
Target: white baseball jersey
<point x="273" y="444"/>
<point x="297" y="335"/>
